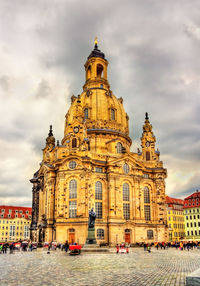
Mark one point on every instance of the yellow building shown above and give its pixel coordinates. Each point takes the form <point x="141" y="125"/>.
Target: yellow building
<point x="175" y="219"/>
<point x="14" y="223"/>
<point x="94" y="168"/>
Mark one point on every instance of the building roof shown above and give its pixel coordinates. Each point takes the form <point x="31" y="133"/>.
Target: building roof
<point x="192" y="201"/>
<point x="170" y="200"/>
<point x="10" y="212"/>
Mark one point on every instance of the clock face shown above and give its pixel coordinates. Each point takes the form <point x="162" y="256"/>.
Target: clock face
<point x="76" y="129"/>
<point x="147" y="143"/>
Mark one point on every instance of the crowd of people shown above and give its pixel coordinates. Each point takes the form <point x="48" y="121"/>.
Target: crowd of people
<point x="19" y="246"/>
<point x="29" y="246"/>
<point x="181" y="245"/>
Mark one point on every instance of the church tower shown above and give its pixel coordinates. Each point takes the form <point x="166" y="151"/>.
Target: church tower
<point x="93" y="167"/>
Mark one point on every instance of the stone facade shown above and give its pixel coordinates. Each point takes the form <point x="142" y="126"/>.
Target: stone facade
<point x="94" y="168"/>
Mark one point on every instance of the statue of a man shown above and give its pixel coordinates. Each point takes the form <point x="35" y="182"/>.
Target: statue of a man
<point x="92" y="217"/>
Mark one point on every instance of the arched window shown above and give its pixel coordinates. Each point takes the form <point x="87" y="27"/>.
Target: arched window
<point x="98" y="191"/>
<point x="99" y="71"/>
<point x="146" y="195"/>
<point x="72" y="189"/>
<point x="112" y="114"/>
<point x="100" y="233"/>
<point x="74" y="143"/>
<point x="126" y="168"/>
<point x="150" y="234"/>
<point x="125" y="192"/>
<point x="89" y="72"/>
<point x="86" y="113"/>
<point x="119" y="147"/>
<point x="147" y="156"/>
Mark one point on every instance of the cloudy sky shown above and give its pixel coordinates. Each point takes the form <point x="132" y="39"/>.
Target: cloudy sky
<point x="153" y="49"/>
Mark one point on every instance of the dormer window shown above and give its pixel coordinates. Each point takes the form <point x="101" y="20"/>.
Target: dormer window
<point x="86" y="113"/>
<point x="74" y="143"/>
<point x="112" y="114"/>
<point x="119" y="148"/>
<point x="147" y="156"/>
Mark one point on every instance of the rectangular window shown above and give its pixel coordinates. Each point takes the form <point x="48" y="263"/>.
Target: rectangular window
<point x="12" y="230"/>
<point x="194" y="217"/>
<point x="72" y="209"/>
<point x="191" y="224"/>
<point x="99" y="170"/>
<point x="195" y="224"/>
<point x="98" y="210"/>
<point x="26" y="231"/>
<point x="126" y="211"/>
<point x="186" y="217"/>
<point x="188" y="233"/>
<point x="147" y="213"/>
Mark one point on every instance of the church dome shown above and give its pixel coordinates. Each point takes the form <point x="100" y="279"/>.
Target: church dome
<point x="101" y="110"/>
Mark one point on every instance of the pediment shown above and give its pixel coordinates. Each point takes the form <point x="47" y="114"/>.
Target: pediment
<point x="129" y="159"/>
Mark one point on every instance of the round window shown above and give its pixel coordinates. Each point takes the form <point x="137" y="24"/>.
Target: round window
<point x="72" y="164"/>
<point x="126" y="168"/>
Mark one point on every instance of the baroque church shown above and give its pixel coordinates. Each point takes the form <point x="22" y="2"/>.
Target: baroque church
<point x="93" y="167"/>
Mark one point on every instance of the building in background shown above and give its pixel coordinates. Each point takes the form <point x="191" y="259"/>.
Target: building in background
<point x="192" y="216"/>
<point x="175" y="219"/>
<point x="95" y="168"/>
<point x="14" y="223"/>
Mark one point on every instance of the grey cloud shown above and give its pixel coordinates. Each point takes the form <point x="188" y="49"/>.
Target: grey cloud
<point x="5" y="83"/>
<point x="153" y="51"/>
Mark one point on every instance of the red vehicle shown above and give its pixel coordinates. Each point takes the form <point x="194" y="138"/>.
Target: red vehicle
<point x="75" y="249"/>
<point x="122" y="248"/>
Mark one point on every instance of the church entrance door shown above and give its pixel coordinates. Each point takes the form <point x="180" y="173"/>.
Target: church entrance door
<point x="71" y="236"/>
<point x="127" y="238"/>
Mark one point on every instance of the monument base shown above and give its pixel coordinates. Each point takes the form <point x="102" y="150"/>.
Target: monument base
<point x="91" y="243"/>
<point x="91" y="237"/>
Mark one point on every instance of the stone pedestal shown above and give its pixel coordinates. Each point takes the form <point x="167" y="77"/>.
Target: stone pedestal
<point x="193" y="279"/>
<point x="91" y="236"/>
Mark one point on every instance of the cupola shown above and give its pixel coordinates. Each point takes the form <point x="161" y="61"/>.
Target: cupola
<point x="96" y="69"/>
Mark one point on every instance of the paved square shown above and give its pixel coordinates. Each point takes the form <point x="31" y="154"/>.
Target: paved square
<point x="162" y="267"/>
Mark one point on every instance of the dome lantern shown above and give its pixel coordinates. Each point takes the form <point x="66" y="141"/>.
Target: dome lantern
<point x="96" y="69"/>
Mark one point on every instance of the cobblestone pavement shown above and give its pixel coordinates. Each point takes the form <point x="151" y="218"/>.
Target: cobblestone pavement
<point x="162" y="267"/>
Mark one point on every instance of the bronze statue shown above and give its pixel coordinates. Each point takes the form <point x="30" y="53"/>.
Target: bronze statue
<point x="92" y="217"/>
